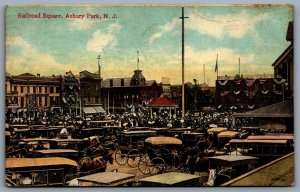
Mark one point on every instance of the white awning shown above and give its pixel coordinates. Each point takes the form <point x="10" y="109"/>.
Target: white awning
<point x="93" y="109"/>
<point x="89" y="110"/>
<point x="99" y="109"/>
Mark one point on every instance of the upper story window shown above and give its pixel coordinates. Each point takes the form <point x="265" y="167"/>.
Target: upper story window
<point x="111" y="83"/>
<point x="51" y="89"/>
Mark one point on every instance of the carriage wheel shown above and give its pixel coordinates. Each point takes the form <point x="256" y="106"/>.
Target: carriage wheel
<point x="144" y="167"/>
<point x="157" y="165"/>
<point x="134" y="157"/>
<point x="145" y="157"/>
<point x="120" y="158"/>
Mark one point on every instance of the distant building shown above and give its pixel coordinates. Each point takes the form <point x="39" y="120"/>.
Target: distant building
<point x="70" y="98"/>
<point x="256" y="91"/>
<point x="166" y="87"/>
<point x="90" y="88"/>
<point x="32" y="91"/>
<point x="119" y="94"/>
<point x="195" y="97"/>
<point x="284" y="64"/>
<point x="248" y="92"/>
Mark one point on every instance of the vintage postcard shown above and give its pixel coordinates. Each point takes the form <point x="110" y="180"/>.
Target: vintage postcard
<point x="151" y="95"/>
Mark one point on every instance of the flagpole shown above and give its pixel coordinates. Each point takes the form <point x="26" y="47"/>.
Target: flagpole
<point x="239" y="67"/>
<point x="217" y="67"/>
<point x="137" y="59"/>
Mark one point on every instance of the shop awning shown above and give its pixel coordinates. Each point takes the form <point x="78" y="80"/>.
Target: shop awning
<point x="99" y="109"/>
<point x="93" y="109"/>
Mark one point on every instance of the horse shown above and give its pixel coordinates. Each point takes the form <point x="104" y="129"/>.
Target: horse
<point x="194" y="157"/>
<point x="96" y="162"/>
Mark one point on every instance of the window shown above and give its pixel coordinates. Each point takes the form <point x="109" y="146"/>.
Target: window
<point x="22" y="101"/>
<point x="34" y="89"/>
<point x="111" y="83"/>
<point x="40" y="89"/>
<point x="46" y="89"/>
<point x="15" y="88"/>
<point x="122" y="82"/>
<point x="51" y="89"/>
<point x="46" y="101"/>
<point x="22" y="89"/>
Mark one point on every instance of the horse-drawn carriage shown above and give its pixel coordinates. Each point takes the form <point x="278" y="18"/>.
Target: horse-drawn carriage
<point x="49" y="171"/>
<point x="190" y="139"/>
<point x="226" y="167"/>
<point x="104" y="179"/>
<point x="130" y="147"/>
<point x="91" y="156"/>
<point x="162" y="154"/>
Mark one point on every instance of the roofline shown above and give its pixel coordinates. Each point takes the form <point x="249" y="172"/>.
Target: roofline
<point x="283" y="55"/>
<point x="255" y="170"/>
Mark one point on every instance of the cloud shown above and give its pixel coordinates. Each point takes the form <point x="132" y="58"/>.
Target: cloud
<point x="81" y="24"/>
<point x="31" y="60"/>
<point x="164" y="29"/>
<point x="195" y="59"/>
<point x="231" y="25"/>
<point x="24" y="45"/>
<point x="101" y="39"/>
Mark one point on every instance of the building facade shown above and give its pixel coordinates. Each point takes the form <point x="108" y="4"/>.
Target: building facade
<point x="119" y="94"/>
<point x="248" y="92"/>
<point x="32" y="91"/>
<point x="284" y="64"/>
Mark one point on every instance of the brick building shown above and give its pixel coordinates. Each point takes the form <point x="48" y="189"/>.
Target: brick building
<point x="119" y="94"/>
<point x="32" y="91"/>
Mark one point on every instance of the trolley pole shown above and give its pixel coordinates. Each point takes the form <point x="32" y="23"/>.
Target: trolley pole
<point x="182" y="87"/>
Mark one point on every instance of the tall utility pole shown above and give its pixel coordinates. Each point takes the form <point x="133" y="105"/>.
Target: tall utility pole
<point x="204" y="72"/>
<point x="137" y="60"/>
<point x="195" y="106"/>
<point x="239" y="67"/>
<point x="99" y="73"/>
<point x="182" y="87"/>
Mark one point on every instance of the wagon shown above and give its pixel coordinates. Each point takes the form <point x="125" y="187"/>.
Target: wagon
<point x="262" y="147"/>
<point x="101" y="123"/>
<point x="66" y="153"/>
<point x="87" y="132"/>
<point x="225" y="167"/>
<point x="171" y="179"/>
<point x="162" y="154"/>
<point x="47" y="132"/>
<point x="49" y="171"/>
<point x="160" y="131"/>
<point x="177" y="132"/>
<point x="190" y="139"/>
<point x="104" y="179"/>
<point x="130" y="146"/>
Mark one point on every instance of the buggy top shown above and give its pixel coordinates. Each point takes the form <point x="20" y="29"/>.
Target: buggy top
<point x="163" y="141"/>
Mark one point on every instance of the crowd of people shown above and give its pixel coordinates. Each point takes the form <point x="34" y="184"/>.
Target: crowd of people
<point x="141" y="118"/>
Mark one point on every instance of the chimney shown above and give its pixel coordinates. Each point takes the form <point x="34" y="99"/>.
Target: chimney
<point x="39" y="75"/>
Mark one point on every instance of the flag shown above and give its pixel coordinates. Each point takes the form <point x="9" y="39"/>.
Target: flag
<point x="216" y="67"/>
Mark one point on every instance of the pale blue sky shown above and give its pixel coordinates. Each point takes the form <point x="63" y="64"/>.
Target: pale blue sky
<point x="54" y="46"/>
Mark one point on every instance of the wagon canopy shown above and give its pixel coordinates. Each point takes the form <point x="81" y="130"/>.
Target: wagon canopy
<point x="105" y="179"/>
<point x="233" y="160"/>
<point x="11" y="163"/>
<point x="169" y="179"/>
<point x="216" y="130"/>
<point x="228" y="134"/>
<point x="163" y="141"/>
